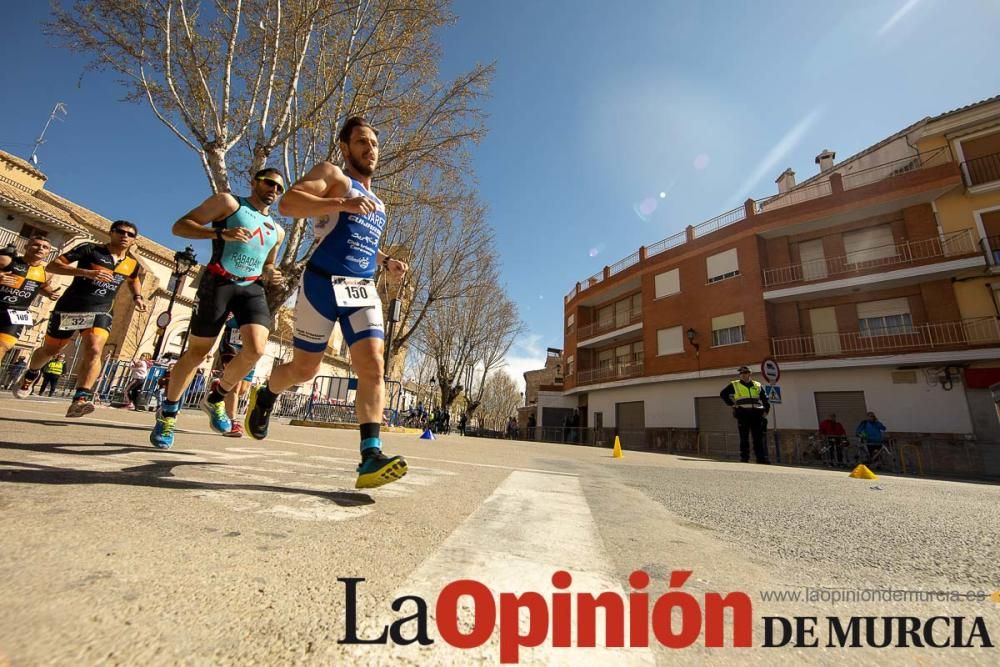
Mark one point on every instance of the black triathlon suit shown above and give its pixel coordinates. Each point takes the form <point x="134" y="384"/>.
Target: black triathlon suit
<point x="86" y="296"/>
<point x="19" y="298"/>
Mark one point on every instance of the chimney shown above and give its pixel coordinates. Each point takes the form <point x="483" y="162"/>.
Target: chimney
<point x="786" y="181"/>
<point x="825" y="160"/>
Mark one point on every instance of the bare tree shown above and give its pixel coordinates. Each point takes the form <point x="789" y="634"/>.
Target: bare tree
<point x="468" y="336"/>
<point x="501" y="399"/>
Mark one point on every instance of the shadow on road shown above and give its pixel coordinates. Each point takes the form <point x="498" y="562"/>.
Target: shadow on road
<point x="157" y="474"/>
<point x="69" y="422"/>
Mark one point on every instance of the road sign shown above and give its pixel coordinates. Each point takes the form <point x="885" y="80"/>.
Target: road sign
<point x="163" y="320"/>
<point x="773" y="393"/>
<point x="769" y="369"/>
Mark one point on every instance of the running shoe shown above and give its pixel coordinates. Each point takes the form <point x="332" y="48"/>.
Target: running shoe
<point x="162" y="435"/>
<point x="80" y="407"/>
<point x="378" y="469"/>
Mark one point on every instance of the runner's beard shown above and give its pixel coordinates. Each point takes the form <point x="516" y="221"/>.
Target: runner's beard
<point x="359" y="167"/>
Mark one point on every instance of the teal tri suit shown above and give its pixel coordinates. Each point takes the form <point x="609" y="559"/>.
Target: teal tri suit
<point x="231" y="282"/>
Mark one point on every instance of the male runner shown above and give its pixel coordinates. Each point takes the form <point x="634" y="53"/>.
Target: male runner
<point x="21" y="280"/>
<point x="245" y="242"/>
<point x="85" y="306"/>
<point x="229" y="347"/>
<point x="337" y="287"/>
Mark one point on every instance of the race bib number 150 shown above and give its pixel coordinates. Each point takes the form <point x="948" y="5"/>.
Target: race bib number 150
<point x="355" y="292"/>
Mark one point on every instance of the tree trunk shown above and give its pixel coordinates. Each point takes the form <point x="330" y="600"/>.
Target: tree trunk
<point x="218" y="173"/>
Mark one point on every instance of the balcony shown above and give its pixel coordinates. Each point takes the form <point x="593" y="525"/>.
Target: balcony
<point x="907" y="253"/>
<point x="621" y="370"/>
<point x="922" y="189"/>
<point x="20" y="243"/>
<point x="981" y="171"/>
<point x="600" y="328"/>
<point x="931" y="337"/>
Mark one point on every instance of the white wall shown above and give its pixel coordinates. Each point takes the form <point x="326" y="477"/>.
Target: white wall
<point x="901" y="407"/>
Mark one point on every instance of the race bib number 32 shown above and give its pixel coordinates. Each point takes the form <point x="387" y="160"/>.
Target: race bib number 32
<point x="75" y="321"/>
<point x="355" y="292"/>
<point x="20" y="317"/>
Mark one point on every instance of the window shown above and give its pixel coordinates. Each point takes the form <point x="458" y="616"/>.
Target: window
<point x="569" y="364"/>
<point x="28" y="231"/>
<point x="728" y="330"/>
<point x="668" y="283"/>
<point x="982" y="159"/>
<point x="883" y="318"/>
<point x="867" y="245"/>
<point x="620" y="313"/>
<point x="669" y="341"/>
<point x="570" y="321"/>
<point x="723" y="265"/>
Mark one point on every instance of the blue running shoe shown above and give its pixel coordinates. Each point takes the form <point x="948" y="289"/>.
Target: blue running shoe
<point x="162" y="435"/>
<point x="217" y="417"/>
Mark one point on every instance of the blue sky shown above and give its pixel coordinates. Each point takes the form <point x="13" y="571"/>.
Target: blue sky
<point x="596" y="109"/>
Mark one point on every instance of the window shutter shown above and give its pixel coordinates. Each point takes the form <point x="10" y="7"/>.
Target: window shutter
<point x="722" y="263"/>
<point x="865" y="245"/>
<point x="668" y="283"/>
<point x="727" y="321"/>
<point x="669" y="341"/>
<point x="885" y="308"/>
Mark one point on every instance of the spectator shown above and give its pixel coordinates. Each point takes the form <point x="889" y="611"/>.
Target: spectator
<point x="14" y="371"/>
<point x="51" y="372"/>
<point x="870" y="431"/>
<point x="835" y="435"/>
<point x="462" y="421"/>
<point x="140" y="369"/>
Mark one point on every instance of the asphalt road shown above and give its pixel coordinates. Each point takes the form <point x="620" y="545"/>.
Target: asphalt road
<point x="228" y="552"/>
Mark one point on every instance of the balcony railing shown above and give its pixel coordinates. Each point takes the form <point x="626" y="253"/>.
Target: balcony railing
<point x="617" y="371"/>
<point x="932" y="158"/>
<point x="920" y="338"/>
<point x="992" y="246"/>
<point x="981" y="170"/>
<point x="908" y="252"/>
<point x="620" y="321"/>
<point x="19" y="242"/>
<point x="806" y="192"/>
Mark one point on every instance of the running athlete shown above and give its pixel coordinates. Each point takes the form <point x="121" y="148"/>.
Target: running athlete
<point x="85" y="306"/>
<point x="337" y="287"/>
<point x="21" y="280"/>
<point x="229" y="347"/>
<point x="245" y="242"/>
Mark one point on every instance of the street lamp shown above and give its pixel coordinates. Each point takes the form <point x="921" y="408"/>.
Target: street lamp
<point x="691" y="335"/>
<point x="183" y="261"/>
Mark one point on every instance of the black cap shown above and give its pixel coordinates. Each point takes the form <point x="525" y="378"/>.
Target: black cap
<point x="743" y="369"/>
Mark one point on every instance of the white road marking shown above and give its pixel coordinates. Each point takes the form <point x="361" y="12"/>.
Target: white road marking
<point x="530" y="527"/>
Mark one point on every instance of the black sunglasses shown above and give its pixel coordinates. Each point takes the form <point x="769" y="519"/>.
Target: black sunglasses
<point x="125" y="232"/>
<point x="276" y="184"/>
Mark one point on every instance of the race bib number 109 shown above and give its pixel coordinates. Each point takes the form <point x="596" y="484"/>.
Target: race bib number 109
<point x="21" y="318"/>
<point x="355" y="292"/>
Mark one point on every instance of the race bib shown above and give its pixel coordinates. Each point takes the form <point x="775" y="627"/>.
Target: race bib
<point x="234" y="338"/>
<point x="355" y="292"/>
<point x="20" y="317"/>
<point x="75" y="321"/>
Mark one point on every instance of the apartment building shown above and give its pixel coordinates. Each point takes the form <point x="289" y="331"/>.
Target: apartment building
<point x="873" y="283"/>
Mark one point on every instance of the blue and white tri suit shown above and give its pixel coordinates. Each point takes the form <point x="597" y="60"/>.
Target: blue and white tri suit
<point x="348" y="246"/>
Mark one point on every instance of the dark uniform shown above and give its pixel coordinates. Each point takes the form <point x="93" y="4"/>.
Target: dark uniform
<point x="750" y="407"/>
<point x="14" y="301"/>
<point x="86" y="304"/>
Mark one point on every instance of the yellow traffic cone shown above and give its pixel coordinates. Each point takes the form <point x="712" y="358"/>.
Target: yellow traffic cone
<point x="862" y="472"/>
<point x="617" y="453"/>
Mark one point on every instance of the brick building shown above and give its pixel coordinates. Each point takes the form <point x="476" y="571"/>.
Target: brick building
<point x="872" y="283"/>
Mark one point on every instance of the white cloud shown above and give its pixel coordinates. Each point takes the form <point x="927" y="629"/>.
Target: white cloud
<point x="526" y="354"/>
<point x="897" y="17"/>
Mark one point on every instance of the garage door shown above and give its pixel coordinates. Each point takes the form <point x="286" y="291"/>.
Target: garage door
<point x="630" y="419"/>
<point x="849" y="406"/>
<point x="712" y="415"/>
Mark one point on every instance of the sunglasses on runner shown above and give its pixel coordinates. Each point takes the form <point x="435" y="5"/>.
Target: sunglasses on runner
<point x="125" y="232"/>
<point x="278" y="184"/>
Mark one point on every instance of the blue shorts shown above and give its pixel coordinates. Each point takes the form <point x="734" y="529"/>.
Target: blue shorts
<point x="316" y="311"/>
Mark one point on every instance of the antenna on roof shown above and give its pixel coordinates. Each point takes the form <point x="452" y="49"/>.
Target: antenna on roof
<point x="58" y="113"/>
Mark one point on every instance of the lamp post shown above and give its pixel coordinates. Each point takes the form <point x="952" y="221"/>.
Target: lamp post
<point x="691" y="335"/>
<point x="183" y="261"/>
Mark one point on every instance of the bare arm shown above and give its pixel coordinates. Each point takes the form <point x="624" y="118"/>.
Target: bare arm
<point x="60" y="266"/>
<point x="321" y="192"/>
<point x="49" y="290"/>
<point x="135" y="284"/>
<point x="269" y="271"/>
<point x="195" y="224"/>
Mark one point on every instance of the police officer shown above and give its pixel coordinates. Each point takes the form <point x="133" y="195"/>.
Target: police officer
<point x="750" y="407"/>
